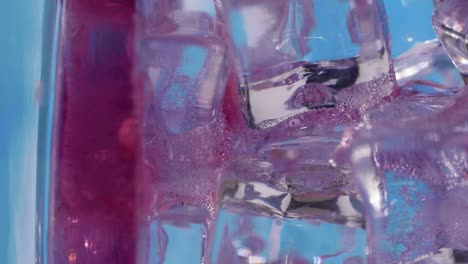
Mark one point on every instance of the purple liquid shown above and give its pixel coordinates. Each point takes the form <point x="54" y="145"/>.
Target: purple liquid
<point x="95" y="140"/>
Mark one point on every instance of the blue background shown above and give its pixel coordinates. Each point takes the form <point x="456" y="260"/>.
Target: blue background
<point x="21" y="38"/>
<point x="20" y="69"/>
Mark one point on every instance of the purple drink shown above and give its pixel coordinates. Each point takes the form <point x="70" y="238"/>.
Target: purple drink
<point x="95" y="144"/>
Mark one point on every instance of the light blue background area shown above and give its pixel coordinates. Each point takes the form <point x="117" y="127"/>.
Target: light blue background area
<point x="326" y="43"/>
<point x="20" y="66"/>
<point x="410" y="23"/>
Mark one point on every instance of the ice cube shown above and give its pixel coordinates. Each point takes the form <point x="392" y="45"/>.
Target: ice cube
<point x="180" y="75"/>
<point x="289" y="61"/>
<point x="186" y="78"/>
<point x="182" y="60"/>
<point x="428" y="83"/>
<point x="427" y="69"/>
<point x="161" y="240"/>
<point x="265" y="208"/>
<point x="410" y="176"/>
<point x="245" y="237"/>
<point x="451" y="24"/>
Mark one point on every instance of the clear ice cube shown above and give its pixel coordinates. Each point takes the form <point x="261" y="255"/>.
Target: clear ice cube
<point x="451" y="25"/>
<point x="180" y="76"/>
<point x="411" y="176"/>
<point x="182" y="59"/>
<point x="428" y="82"/>
<point x="186" y="75"/>
<point x="165" y="235"/>
<point x="285" y="211"/>
<point x="246" y="237"/>
<point x="289" y="61"/>
<point x="427" y="69"/>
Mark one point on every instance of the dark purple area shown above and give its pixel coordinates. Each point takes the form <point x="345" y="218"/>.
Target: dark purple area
<point x="95" y="139"/>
